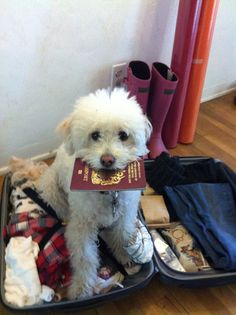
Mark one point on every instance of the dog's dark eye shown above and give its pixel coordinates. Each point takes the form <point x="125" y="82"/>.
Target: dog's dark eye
<point x="95" y="135"/>
<point x="123" y="136"/>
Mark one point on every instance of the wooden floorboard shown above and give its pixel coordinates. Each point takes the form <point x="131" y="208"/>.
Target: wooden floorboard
<point x="216" y="137"/>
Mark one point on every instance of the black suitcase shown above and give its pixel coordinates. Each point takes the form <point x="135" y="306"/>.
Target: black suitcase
<point x="131" y="283"/>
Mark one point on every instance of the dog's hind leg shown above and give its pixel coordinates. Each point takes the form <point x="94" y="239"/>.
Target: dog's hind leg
<point x="81" y="242"/>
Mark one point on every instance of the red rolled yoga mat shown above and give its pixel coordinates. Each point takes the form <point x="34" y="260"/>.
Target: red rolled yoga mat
<point x="198" y="70"/>
<point x="182" y="55"/>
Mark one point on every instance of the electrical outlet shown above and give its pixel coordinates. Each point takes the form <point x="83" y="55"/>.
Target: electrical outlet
<point x="118" y="74"/>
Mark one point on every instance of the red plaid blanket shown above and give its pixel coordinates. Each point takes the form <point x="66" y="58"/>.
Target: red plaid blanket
<point x="53" y="259"/>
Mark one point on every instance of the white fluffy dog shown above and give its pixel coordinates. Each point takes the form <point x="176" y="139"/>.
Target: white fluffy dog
<point x="106" y="131"/>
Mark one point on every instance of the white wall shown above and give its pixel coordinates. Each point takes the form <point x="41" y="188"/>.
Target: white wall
<point x="221" y="70"/>
<point x="53" y="51"/>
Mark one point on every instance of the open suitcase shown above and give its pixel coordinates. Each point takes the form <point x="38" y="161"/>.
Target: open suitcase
<point x="131" y="283"/>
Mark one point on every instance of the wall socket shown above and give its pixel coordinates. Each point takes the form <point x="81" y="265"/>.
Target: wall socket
<point x="118" y="74"/>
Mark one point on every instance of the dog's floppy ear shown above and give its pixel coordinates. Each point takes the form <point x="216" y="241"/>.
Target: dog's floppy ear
<point x="148" y="128"/>
<point x="65" y="129"/>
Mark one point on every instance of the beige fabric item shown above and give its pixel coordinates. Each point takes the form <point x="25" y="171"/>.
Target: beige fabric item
<point x="183" y="244"/>
<point x="149" y="191"/>
<point x="103" y="286"/>
<point x="155" y="211"/>
<point x="165" y="252"/>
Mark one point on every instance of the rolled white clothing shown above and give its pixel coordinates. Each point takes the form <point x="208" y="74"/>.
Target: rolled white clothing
<point x="22" y="284"/>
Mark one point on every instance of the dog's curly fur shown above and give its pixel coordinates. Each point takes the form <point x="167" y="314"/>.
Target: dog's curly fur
<point x="121" y="131"/>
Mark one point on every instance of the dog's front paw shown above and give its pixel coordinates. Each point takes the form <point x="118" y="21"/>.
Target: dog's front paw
<point x="77" y="292"/>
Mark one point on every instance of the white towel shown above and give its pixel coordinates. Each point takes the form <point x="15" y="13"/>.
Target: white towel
<point x="22" y="284"/>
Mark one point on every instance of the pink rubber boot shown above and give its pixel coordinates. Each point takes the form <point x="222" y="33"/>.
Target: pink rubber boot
<point x="138" y="82"/>
<point x="162" y="89"/>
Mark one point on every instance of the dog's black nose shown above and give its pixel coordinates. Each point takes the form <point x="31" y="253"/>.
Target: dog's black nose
<point x="107" y="160"/>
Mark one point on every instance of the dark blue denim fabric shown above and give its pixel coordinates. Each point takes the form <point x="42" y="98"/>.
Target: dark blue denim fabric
<point x="208" y="211"/>
<point x="168" y="171"/>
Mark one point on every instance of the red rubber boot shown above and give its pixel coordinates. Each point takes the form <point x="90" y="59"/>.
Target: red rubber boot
<point x="138" y="82"/>
<point x="162" y="90"/>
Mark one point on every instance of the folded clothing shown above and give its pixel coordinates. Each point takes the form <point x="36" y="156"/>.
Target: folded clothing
<point x="53" y="258"/>
<point x="185" y="247"/>
<point x="168" y="171"/>
<point x="165" y="252"/>
<point x="208" y="211"/>
<point x="29" y="219"/>
<point x="154" y="210"/>
<point x="165" y="170"/>
<point x="22" y="203"/>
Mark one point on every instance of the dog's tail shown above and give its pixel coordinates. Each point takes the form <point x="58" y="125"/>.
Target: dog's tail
<point x="25" y="170"/>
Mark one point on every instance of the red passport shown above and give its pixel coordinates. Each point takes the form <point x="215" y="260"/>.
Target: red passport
<point x="130" y="178"/>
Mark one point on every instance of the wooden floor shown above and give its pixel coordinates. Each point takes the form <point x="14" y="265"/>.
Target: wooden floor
<point x="216" y="137"/>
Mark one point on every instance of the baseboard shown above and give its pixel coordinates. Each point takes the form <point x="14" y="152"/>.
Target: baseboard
<point x="40" y="157"/>
<point x="216" y="95"/>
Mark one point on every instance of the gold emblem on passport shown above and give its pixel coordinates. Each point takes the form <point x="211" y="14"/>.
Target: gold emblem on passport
<point x="98" y="178"/>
